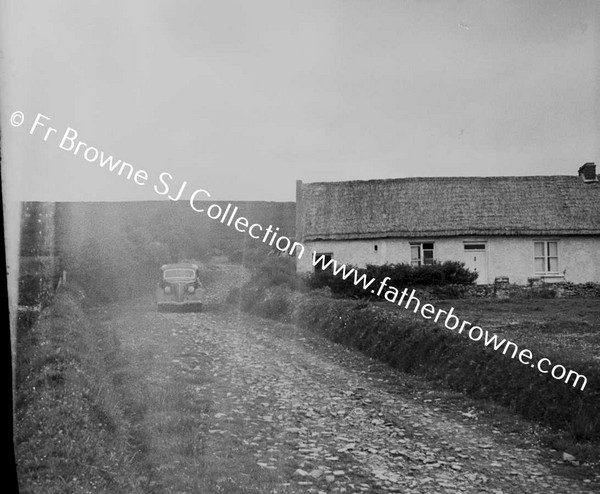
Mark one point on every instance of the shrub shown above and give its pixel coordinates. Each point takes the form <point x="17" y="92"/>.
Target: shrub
<point x="436" y="274"/>
<point x="276" y="271"/>
<point x="337" y="285"/>
<point x="267" y="293"/>
<point x="401" y="276"/>
<point x="276" y="306"/>
<point x="272" y="303"/>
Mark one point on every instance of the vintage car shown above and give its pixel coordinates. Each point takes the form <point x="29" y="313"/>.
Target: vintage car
<point x="179" y="287"/>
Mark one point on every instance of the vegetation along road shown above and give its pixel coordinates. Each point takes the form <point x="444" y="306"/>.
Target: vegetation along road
<point x="224" y="402"/>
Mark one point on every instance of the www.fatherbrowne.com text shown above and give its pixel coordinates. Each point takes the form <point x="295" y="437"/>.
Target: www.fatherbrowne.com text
<point x="452" y="322"/>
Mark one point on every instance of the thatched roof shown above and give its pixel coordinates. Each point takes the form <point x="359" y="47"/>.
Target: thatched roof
<point x="427" y="207"/>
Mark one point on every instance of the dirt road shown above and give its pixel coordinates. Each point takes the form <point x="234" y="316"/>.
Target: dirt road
<point x="223" y="402"/>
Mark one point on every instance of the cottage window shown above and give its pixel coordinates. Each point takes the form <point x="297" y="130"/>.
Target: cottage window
<point x="477" y="247"/>
<point x="545" y="257"/>
<point x="421" y="253"/>
<point x="327" y="257"/>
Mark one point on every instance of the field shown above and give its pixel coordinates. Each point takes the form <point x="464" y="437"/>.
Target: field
<point x="569" y="326"/>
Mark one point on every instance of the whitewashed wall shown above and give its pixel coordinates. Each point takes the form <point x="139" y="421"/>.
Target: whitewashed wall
<point x="579" y="257"/>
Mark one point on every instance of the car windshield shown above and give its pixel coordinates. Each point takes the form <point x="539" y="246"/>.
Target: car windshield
<point x="179" y="273"/>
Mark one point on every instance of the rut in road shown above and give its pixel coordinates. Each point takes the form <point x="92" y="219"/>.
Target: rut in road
<point x="231" y="403"/>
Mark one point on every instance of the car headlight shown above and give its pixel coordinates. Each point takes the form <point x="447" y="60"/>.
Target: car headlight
<point x="191" y="289"/>
<point x="167" y="289"/>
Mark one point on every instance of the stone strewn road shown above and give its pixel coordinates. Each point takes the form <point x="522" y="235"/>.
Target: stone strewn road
<point x="241" y="404"/>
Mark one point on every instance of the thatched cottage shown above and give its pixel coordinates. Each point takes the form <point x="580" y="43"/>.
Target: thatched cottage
<point x="545" y="227"/>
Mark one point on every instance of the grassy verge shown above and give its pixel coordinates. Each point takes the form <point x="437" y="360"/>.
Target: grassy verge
<point x="70" y="435"/>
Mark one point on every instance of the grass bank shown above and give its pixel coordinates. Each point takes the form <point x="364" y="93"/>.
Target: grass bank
<point x="70" y="434"/>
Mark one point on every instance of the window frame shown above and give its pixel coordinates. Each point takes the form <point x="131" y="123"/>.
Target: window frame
<point x="420" y="260"/>
<point x="546" y="257"/>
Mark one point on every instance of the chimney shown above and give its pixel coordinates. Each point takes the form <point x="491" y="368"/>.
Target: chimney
<point x="588" y="173"/>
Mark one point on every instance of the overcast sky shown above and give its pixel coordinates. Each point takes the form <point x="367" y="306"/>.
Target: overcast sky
<point x="242" y="98"/>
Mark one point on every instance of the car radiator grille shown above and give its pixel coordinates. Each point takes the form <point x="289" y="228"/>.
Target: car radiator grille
<point x="179" y="291"/>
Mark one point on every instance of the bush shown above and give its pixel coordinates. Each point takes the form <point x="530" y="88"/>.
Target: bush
<point x="337" y="285"/>
<point x="436" y="274"/>
<point x="280" y="271"/>
<point x="267" y="293"/>
<point x="401" y="276"/>
<point x="276" y="271"/>
<point x="272" y="303"/>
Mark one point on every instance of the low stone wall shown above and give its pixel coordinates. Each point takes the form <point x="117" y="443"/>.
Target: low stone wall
<point x="578" y="290"/>
<point x="504" y="290"/>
